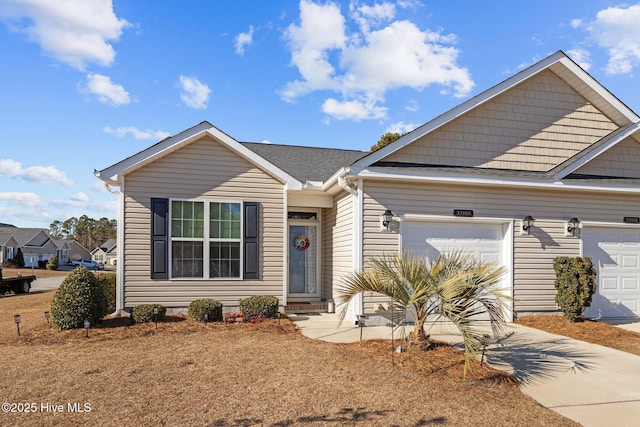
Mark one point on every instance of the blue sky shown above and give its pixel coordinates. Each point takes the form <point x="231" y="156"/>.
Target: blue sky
<point x="86" y="83"/>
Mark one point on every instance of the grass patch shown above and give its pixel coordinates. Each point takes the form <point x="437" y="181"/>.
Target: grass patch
<point x="268" y="374"/>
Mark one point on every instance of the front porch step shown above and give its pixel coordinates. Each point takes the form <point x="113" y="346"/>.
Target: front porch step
<point x="306" y="307"/>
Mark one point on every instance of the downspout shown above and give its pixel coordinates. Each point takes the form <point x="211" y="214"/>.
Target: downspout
<point x="356" y="260"/>
<point x="119" y="249"/>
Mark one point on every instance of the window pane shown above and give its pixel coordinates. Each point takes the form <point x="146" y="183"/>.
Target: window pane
<point x="225" y="259"/>
<point x="187" y="260"/>
<point x="224" y="220"/>
<point x="187" y="219"/>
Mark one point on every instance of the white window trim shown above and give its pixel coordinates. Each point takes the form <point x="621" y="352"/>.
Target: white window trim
<point x="206" y="258"/>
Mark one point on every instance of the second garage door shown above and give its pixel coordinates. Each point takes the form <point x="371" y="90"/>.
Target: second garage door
<point x="615" y="253"/>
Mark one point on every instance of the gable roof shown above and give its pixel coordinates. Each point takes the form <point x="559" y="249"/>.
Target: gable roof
<point x="23" y="236"/>
<point x="306" y="163"/>
<point x="559" y="63"/>
<point x="113" y="174"/>
<point x="108" y="246"/>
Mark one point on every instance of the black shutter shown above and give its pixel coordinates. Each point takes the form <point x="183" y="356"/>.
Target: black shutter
<point x="251" y="237"/>
<point x="159" y="239"/>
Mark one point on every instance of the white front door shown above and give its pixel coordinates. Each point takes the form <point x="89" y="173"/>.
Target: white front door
<point x="615" y="253"/>
<point x="304" y="266"/>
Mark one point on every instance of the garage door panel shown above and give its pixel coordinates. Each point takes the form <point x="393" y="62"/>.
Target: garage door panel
<point x="616" y="255"/>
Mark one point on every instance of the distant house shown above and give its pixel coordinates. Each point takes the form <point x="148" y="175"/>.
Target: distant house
<point x="77" y="251"/>
<point x="106" y="252"/>
<point x="544" y="164"/>
<point x="37" y="245"/>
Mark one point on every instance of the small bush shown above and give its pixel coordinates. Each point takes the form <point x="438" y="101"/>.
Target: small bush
<point x="42" y="264"/>
<point x="144" y="313"/>
<point x="108" y="283"/>
<point x="207" y="306"/>
<point x="575" y="283"/>
<point x="259" y="306"/>
<point x="18" y="260"/>
<point x="80" y="296"/>
<point x="52" y="264"/>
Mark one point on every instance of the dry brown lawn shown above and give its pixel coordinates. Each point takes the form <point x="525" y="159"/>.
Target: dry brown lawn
<point x="589" y="330"/>
<point x="189" y="373"/>
<point x="39" y="273"/>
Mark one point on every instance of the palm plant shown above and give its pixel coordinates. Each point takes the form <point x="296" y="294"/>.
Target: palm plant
<point x="454" y="286"/>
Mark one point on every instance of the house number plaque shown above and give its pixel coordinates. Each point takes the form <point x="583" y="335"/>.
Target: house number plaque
<point x="463" y="212"/>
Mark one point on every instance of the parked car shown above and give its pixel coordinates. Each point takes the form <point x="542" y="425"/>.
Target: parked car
<point x="88" y="264"/>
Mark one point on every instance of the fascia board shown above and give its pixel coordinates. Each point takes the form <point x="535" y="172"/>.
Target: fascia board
<point x="509" y="182"/>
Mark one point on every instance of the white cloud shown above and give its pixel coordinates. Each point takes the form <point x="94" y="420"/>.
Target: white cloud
<point x="243" y="40"/>
<point x="46" y="174"/>
<point x="616" y="29"/>
<point x="354" y="110"/>
<point x="363" y="66"/>
<point x="76" y="32"/>
<point x="412" y="106"/>
<point x="106" y="91"/>
<point x="79" y="197"/>
<point x="266" y="141"/>
<point x="581" y="56"/>
<point x="194" y="93"/>
<point x="30" y="200"/>
<point x="401" y="127"/>
<point x="123" y="131"/>
<point x="99" y="187"/>
<point x="576" y="23"/>
<point x="367" y="16"/>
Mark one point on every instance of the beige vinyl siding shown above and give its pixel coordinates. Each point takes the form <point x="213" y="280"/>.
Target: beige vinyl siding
<point x="622" y="161"/>
<point x="204" y="170"/>
<point x="337" y="252"/>
<point x="533" y="255"/>
<point x="534" y="126"/>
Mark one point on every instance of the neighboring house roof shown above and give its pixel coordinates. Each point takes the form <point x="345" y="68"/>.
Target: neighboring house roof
<point x="107" y="246"/>
<point x="2" y="224"/>
<point x="25" y="236"/>
<point x="306" y="163"/>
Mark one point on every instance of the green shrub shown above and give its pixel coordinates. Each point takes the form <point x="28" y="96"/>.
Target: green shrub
<point x="207" y="306"/>
<point x="52" y="264"/>
<point x="575" y="283"/>
<point x="259" y="306"/>
<point x="18" y="260"/>
<point x="108" y="283"/>
<point x="80" y="296"/>
<point x="144" y="313"/>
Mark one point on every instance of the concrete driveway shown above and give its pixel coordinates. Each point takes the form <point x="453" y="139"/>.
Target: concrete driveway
<point x="588" y="383"/>
<point x="46" y="283"/>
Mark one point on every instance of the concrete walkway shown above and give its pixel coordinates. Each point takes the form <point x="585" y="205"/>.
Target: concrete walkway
<point x="588" y="383"/>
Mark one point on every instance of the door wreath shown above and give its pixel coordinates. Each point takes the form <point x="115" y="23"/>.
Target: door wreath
<point x="301" y="242"/>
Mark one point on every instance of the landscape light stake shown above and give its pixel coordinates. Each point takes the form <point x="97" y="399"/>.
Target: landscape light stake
<point x="206" y="317"/>
<point x="16" y="318"/>
<point x="155" y="316"/>
<point x="87" y="325"/>
<point x="46" y="316"/>
<point x="361" y="324"/>
<point x="278" y="318"/>
<point x="485" y="342"/>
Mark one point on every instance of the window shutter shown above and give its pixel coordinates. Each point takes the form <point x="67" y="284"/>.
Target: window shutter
<point x="159" y="239"/>
<point x="250" y="241"/>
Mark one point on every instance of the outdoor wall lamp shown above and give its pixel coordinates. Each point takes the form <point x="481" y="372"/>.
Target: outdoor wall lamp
<point x="387" y="217"/>
<point x="572" y="225"/>
<point x="16" y="318"/>
<point x="527" y="223"/>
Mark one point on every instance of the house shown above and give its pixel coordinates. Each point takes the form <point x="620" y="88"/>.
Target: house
<point x="35" y="243"/>
<point x="64" y="249"/>
<point x="77" y="251"/>
<point x="541" y="165"/>
<point x="106" y="252"/>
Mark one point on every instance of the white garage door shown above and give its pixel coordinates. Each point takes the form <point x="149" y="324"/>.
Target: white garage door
<point x="485" y="241"/>
<point x="615" y="252"/>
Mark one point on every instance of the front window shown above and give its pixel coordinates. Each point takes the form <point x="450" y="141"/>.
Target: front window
<point x="205" y="249"/>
